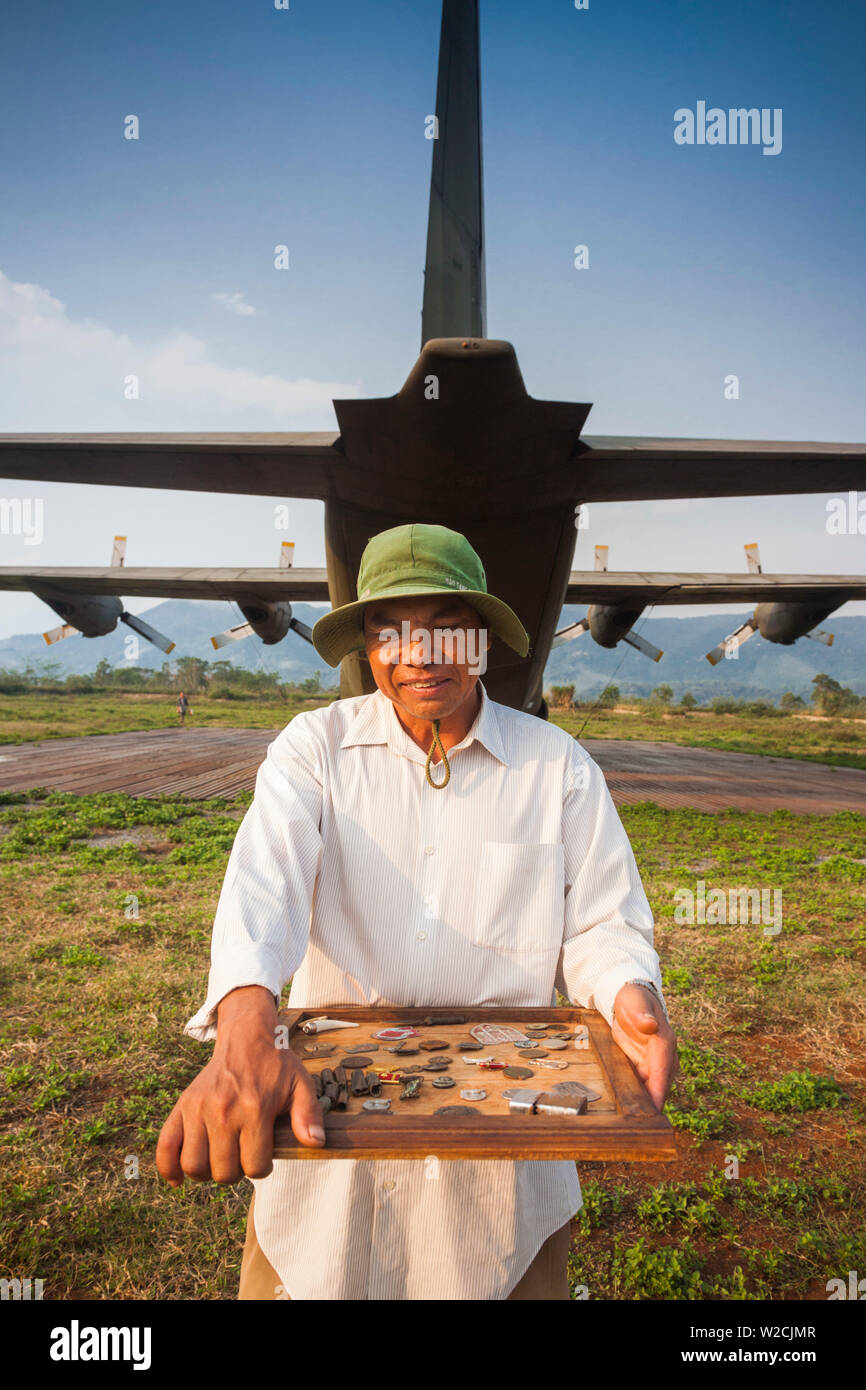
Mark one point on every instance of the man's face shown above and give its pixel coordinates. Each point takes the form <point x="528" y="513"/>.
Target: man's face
<point x="425" y="653"/>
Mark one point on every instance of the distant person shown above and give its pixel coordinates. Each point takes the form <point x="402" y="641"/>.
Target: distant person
<point x="182" y="706"/>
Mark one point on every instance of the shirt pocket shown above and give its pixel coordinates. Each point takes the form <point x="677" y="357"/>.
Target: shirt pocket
<point x="520" y="897"/>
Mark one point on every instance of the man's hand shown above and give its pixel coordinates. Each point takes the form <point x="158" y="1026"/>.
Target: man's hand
<point x="644" y="1034"/>
<point x="223" y="1124"/>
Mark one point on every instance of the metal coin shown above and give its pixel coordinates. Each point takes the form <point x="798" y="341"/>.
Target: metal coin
<point x="456" y="1110"/>
<point x="517" y="1073"/>
<point x="353" y="1062"/>
<point x="535" y="1027"/>
<point x="377" y="1107"/>
<point x="534" y="1052"/>
<point x="442" y="1083"/>
<point x="433" y="1045"/>
<point x="472" y="1094"/>
<point x="555" y="1044"/>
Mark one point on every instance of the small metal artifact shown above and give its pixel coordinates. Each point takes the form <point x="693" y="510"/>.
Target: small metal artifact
<point x="437" y="1064"/>
<point x="469" y="1045"/>
<point x="374" y="1085"/>
<point x="555" y="1044"/>
<point x="352" y="1062"/>
<point x="325" y="1104"/>
<point x="535" y="1027"/>
<point x="327" y="1076"/>
<point x="360" y="1086"/>
<point x="534" y="1052"/>
<point x="390" y="1078"/>
<point x="491" y="1065"/>
<point x="496" y="1033"/>
<point x="574" y="1088"/>
<point x="377" y="1107"/>
<point x="323" y="1025"/>
<point x="549" y="1104"/>
<point x="317" y="1083"/>
<point x="411" y="1088"/>
<point x="319" y="1049"/>
<point x="395" y="1034"/>
<point x="472" y="1094"/>
<point x="551" y="1065"/>
<point x="362" y="1047"/>
<point x="521" y="1100"/>
<point x="478" y="1061"/>
<point x="517" y="1073"/>
<point x="404" y="1048"/>
<point x="442" y="1083"/>
<point x="433" y="1045"/>
<point x="456" y="1110"/>
<point x="340" y="1075"/>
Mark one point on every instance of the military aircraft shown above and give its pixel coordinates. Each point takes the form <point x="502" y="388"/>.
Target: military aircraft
<point x="461" y="444"/>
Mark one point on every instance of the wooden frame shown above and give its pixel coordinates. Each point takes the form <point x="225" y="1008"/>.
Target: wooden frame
<point x="623" y="1125"/>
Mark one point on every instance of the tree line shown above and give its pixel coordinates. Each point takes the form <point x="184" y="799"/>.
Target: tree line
<point x="827" y="697"/>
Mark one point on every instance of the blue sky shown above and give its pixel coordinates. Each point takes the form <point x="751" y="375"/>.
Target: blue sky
<point x="306" y="127"/>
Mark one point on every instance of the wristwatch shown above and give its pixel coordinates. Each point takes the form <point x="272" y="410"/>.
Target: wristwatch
<point x="648" y="984"/>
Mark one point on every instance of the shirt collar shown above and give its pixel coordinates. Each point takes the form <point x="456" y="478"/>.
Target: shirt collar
<point x="376" y="722"/>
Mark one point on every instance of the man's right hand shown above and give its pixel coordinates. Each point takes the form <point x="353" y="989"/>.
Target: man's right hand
<point x="222" y="1127"/>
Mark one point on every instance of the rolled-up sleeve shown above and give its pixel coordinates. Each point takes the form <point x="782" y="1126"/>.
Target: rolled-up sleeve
<point x="608" y="929"/>
<point x="262" y="922"/>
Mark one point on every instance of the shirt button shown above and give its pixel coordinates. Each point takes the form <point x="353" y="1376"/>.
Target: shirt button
<point x="389" y="1185"/>
<point x="422" y="936"/>
<point x="429" y="849"/>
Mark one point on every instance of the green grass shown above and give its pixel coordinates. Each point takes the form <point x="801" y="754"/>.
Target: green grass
<point x="105" y="956"/>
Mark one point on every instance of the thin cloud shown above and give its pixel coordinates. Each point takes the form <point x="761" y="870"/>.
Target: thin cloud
<point x="63" y="373"/>
<point x="235" y="304"/>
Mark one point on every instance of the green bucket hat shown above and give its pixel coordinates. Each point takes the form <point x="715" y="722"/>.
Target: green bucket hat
<point x="416" y="561"/>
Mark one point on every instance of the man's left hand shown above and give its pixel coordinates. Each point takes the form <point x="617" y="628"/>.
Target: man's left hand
<point x="645" y="1036"/>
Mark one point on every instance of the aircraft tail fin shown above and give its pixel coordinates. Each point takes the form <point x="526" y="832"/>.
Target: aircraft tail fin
<point x="454" y="278"/>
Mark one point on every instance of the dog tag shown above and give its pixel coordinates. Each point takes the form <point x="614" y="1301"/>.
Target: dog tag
<point x="489" y="1033"/>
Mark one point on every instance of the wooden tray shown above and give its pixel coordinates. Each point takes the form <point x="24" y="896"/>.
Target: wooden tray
<point x="623" y="1125"/>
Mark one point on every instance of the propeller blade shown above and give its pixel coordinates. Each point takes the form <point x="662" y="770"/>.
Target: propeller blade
<point x="302" y="630"/>
<point x="232" y="634"/>
<point x="640" y="644"/>
<point x="57" y="634"/>
<point x="753" y="558"/>
<point x="818" y="635"/>
<point x="568" y="634"/>
<point x="149" y="633"/>
<point x="732" y="642"/>
<point x="118" y="553"/>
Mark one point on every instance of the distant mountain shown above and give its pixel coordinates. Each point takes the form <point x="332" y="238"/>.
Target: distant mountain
<point x="761" y="670"/>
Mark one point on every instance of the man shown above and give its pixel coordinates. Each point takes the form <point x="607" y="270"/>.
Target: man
<point x="422" y="845"/>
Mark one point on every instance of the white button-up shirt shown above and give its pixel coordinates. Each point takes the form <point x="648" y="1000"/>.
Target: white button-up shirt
<point x="354" y="878"/>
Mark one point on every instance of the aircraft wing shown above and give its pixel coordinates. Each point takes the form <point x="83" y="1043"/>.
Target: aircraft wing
<point x="610" y="469"/>
<point x="311" y="585"/>
<point x="625" y="469"/>
<point x="236" y="585"/>
<point x="611" y="587"/>
<point x="261" y="465"/>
